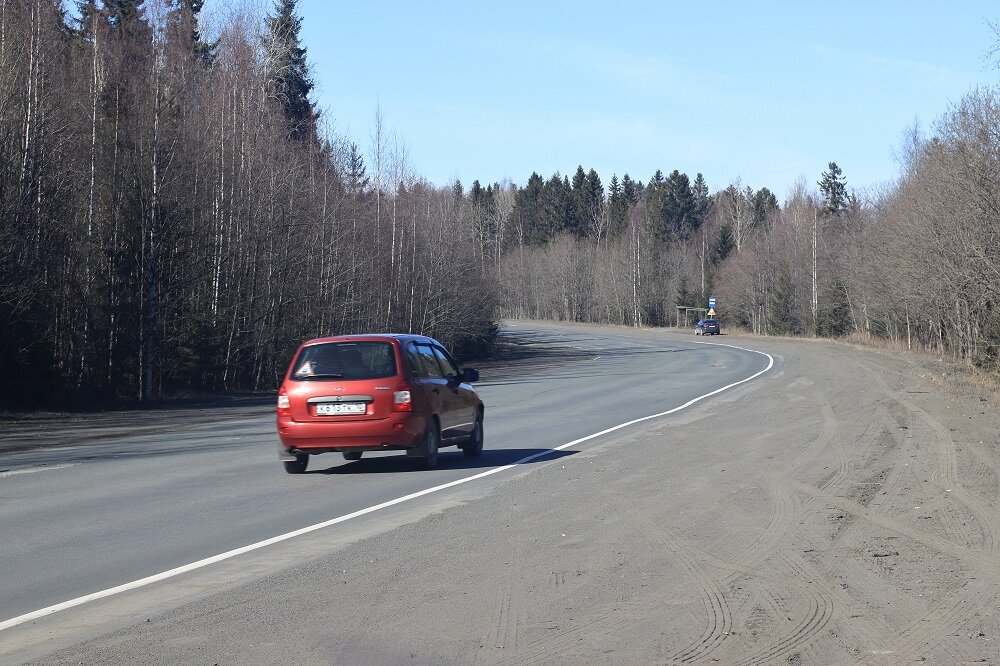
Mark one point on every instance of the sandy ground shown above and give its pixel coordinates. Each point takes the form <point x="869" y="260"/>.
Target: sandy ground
<point x="841" y="510"/>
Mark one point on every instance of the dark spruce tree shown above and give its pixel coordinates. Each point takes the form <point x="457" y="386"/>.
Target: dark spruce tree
<point x="593" y="191"/>
<point x="578" y="220"/>
<point x="357" y="180"/>
<point x="656" y="203"/>
<point x="833" y="185"/>
<point x="556" y="204"/>
<point x="679" y="213"/>
<point x="186" y="13"/>
<point x="834" y="316"/>
<point x="781" y="318"/>
<point x="763" y="204"/>
<point x="702" y="202"/>
<point x="288" y="71"/>
<point x="671" y="206"/>
<point x="632" y="190"/>
<point x="88" y="14"/>
<point x="528" y="211"/>
<point x="588" y="202"/>
<point x="120" y="12"/>
<point x="724" y="244"/>
<point x="617" y="208"/>
<point x="685" y="297"/>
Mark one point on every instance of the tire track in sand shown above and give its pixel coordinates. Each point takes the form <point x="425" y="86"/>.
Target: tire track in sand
<point x="718" y="615"/>
<point x="820" y="609"/>
<point x="960" y="608"/>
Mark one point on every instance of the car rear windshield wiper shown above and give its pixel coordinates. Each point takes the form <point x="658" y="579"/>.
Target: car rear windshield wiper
<point x="326" y="375"/>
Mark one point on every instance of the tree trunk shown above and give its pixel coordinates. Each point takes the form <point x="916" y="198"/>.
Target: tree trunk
<point x="152" y="275"/>
<point x="815" y="294"/>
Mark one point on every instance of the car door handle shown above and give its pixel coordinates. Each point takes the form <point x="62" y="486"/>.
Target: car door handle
<point x="435" y="390"/>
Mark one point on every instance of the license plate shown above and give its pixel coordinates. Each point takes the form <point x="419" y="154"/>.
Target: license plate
<point x="337" y="408"/>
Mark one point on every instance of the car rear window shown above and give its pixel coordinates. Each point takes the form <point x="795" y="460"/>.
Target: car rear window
<point x="345" y="360"/>
<point x="711" y="322"/>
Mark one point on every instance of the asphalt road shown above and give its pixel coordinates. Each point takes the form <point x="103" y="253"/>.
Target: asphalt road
<point x="100" y="506"/>
<point x="840" y="508"/>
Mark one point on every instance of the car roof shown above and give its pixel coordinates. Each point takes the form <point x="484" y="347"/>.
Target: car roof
<point x="371" y="337"/>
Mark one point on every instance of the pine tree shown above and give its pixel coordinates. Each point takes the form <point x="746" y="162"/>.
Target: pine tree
<point x="577" y="218"/>
<point x="671" y="205"/>
<point x="834" y="316"/>
<point x="679" y="209"/>
<point x="834" y="188"/>
<point x="527" y="210"/>
<point x="357" y="180"/>
<point x="186" y="13"/>
<point x="477" y="195"/>
<point x="120" y="12"/>
<point x="781" y="318"/>
<point x="684" y="296"/>
<point x="724" y="244"/>
<point x="288" y="71"/>
<point x="591" y="199"/>
<point x="556" y="202"/>
<point x="702" y="202"/>
<point x="631" y="190"/>
<point x="655" y="196"/>
<point x="89" y="13"/>
<point x="763" y="203"/>
<point x="618" y="206"/>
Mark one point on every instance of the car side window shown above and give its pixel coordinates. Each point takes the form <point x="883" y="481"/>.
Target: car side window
<point x="447" y="364"/>
<point x="428" y="362"/>
<point x="416" y="361"/>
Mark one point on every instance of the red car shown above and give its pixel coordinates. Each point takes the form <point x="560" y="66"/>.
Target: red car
<point x="356" y="393"/>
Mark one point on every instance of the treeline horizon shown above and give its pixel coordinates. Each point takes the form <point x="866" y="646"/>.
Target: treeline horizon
<point x="174" y="217"/>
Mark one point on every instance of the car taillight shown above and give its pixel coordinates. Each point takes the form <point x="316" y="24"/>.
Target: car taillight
<point x="284" y="404"/>
<point x="402" y="399"/>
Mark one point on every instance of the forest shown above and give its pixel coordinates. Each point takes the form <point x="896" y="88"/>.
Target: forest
<point x="176" y="217"/>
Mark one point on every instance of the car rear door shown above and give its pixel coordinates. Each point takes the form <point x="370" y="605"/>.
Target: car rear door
<point x="430" y="388"/>
<point x="461" y="402"/>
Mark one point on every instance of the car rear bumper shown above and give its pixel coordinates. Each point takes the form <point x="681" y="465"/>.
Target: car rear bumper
<point x="398" y="432"/>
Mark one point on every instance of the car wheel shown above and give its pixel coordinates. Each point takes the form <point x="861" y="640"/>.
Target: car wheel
<point x="474" y="446"/>
<point x="352" y="455"/>
<point x="430" y="445"/>
<point x="297" y="466"/>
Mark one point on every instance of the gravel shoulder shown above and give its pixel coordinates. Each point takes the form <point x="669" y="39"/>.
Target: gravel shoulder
<point x="842" y="509"/>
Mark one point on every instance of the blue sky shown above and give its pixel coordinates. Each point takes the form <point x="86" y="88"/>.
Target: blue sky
<point x="766" y="92"/>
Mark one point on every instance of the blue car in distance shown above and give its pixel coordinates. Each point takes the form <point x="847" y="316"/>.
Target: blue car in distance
<point x="707" y="327"/>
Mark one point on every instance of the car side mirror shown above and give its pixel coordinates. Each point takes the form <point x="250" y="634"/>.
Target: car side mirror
<point x="470" y="375"/>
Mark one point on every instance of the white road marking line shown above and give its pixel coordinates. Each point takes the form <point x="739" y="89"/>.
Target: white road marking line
<point x="35" y="470"/>
<point x="149" y="580"/>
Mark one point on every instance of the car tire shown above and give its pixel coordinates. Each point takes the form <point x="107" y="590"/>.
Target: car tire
<point x="297" y="466"/>
<point x="474" y="446"/>
<point x="352" y="455"/>
<point x="429" y="447"/>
